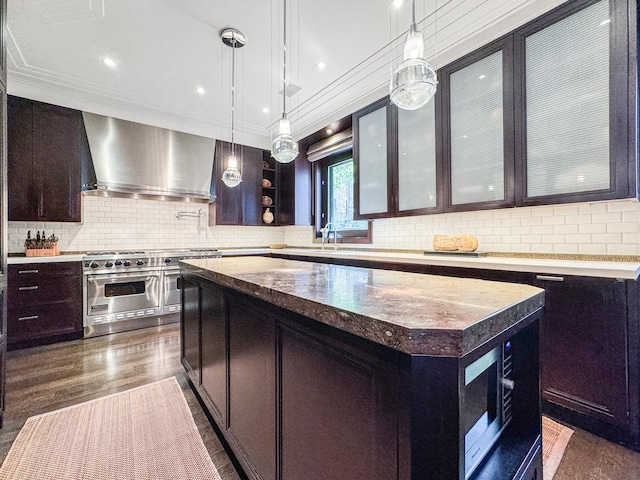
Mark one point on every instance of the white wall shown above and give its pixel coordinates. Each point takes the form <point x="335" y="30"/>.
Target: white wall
<point x="603" y="228"/>
<point x="128" y="224"/>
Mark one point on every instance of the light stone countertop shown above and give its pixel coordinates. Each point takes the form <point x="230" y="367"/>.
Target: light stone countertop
<point x="585" y="268"/>
<point x="410" y="312"/>
<point x="596" y="268"/>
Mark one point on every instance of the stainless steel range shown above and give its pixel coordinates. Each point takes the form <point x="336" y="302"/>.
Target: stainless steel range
<point x="129" y="290"/>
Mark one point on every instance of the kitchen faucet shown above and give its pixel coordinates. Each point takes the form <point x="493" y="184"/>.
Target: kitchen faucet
<point x="326" y="231"/>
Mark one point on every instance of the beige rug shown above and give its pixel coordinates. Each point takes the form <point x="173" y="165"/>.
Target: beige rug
<point x="555" y="438"/>
<point x="143" y="433"/>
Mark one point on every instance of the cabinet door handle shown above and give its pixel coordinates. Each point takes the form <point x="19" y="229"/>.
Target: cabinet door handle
<point x="31" y="317"/>
<point x="549" y="278"/>
<point x="34" y="287"/>
<point x="27" y="271"/>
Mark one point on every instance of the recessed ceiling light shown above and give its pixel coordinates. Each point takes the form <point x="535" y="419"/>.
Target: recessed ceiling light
<point x="329" y="131"/>
<point x="321" y="65"/>
<point x="265" y="110"/>
<point x="109" y="62"/>
<point x="396" y="3"/>
<point x="200" y="91"/>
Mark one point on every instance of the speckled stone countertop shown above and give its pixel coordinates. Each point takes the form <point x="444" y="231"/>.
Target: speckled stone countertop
<point x="412" y="313"/>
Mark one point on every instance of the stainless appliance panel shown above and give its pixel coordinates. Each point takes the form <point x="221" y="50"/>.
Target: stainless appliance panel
<point x="133" y="158"/>
<point x="110" y="293"/>
<point x="171" y="291"/>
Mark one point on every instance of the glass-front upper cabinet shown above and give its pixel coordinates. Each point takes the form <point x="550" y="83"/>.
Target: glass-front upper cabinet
<point x="574" y="77"/>
<point x="477" y="119"/>
<point x="417" y="167"/>
<point x="397" y="169"/>
<point x="371" y="151"/>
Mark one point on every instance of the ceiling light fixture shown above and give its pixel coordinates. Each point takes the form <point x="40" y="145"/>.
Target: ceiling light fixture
<point x="109" y="62"/>
<point x="321" y="65"/>
<point x="284" y="147"/>
<point x="414" y="83"/>
<point x="235" y="39"/>
<point x="265" y="110"/>
<point x="397" y="3"/>
<point x="200" y="91"/>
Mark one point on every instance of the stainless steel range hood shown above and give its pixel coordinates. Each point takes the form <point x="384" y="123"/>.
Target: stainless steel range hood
<point x="135" y="160"/>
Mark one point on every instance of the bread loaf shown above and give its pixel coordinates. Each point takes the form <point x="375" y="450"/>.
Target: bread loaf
<point x="453" y="243"/>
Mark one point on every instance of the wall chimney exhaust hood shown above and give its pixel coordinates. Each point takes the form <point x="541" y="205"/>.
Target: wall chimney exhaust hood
<point x="141" y="161"/>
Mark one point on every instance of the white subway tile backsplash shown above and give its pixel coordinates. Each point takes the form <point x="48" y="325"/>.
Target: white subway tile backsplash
<point x="597" y="228"/>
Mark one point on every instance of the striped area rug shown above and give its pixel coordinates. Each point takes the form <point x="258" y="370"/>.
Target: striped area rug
<point x="555" y="438"/>
<point x="144" y="433"/>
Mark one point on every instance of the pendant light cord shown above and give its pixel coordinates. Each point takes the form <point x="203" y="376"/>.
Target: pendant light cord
<point x="284" y="62"/>
<point x="233" y="93"/>
<point x="414" y="27"/>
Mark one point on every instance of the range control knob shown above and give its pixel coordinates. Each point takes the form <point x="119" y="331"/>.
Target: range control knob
<point x="167" y="260"/>
<point x="94" y="265"/>
<point x="127" y="263"/>
<point x="139" y="262"/>
<point x="118" y="263"/>
<point x="108" y="264"/>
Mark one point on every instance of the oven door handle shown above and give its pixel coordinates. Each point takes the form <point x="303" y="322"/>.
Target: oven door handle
<point x="117" y="277"/>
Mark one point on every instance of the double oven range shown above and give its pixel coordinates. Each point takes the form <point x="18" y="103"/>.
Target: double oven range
<point x="130" y="290"/>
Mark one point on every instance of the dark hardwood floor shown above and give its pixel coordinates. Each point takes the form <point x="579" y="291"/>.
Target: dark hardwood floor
<point x="46" y="378"/>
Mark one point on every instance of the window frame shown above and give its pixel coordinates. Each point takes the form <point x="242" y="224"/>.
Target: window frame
<point x="321" y="194"/>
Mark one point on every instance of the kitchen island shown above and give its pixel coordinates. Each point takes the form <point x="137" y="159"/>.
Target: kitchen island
<point x="325" y="371"/>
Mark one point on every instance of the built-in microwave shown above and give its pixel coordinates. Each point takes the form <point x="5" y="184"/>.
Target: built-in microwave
<point x="488" y="386"/>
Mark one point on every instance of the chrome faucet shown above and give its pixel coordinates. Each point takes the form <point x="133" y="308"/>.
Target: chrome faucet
<point x="326" y="231"/>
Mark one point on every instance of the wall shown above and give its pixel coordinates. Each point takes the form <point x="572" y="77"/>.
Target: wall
<point x="128" y="224"/>
<point x="603" y="228"/>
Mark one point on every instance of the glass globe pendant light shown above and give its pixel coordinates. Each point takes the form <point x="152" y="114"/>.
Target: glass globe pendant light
<point x="414" y="82"/>
<point x="284" y="148"/>
<point x="235" y="39"/>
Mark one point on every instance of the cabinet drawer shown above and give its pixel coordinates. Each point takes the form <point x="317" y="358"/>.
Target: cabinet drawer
<point x="41" y="321"/>
<point x="28" y="271"/>
<point x="39" y="289"/>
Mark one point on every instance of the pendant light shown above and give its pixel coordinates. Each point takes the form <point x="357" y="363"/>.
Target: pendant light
<point x="235" y="39"/>
<point x="284" y="147"/>
<point x="414" y="83"/>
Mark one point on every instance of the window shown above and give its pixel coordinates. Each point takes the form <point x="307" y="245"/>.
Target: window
<point x="336" y="199"/>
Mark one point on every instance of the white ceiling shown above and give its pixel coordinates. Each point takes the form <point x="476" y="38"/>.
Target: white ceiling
<point x="164" y="49"/>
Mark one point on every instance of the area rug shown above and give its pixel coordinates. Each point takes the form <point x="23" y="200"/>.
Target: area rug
<point x="555" y="438"/>
<point x="143" y="434"/>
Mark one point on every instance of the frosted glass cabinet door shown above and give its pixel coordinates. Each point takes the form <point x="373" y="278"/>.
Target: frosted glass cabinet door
<point x="371" y="161"/>
<point x="477" y="132"/>
<point x="417" y="158"/>
<point x="567" y="119"/>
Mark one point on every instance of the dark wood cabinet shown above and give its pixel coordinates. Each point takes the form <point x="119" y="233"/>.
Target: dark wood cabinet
<point x="214" y="352"/>
<point x="353" y="406"/>
<point x="44" y="303"/>
<point x="294" y="192"/>
<point x="252" y="380"/>
<point x="240" y="205"/>
<point x="583" y="352"/>
<point x="47" y="149"/>
<point x="190" y="326"/>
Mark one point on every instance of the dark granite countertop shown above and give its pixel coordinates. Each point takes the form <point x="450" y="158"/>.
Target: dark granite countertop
<point x="409" y="312"/>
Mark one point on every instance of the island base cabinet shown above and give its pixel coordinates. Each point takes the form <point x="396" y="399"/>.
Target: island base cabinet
<point x="337" y="425"/>
<point x="297" y="399"/>
<point x="190" y="327"/>
<point x="251" y="425"/>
